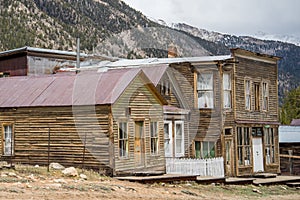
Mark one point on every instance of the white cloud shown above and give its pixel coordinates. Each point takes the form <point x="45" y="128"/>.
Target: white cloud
<point x="227" y="16"/>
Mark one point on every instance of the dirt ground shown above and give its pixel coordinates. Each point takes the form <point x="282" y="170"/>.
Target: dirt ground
<point x="37" y="183"/>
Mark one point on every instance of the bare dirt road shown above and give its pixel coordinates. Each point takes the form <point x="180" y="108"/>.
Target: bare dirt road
<point x="36" y="183"/>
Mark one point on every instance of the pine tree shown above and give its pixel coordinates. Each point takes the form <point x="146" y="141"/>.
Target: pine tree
<point x="291" y="107"/>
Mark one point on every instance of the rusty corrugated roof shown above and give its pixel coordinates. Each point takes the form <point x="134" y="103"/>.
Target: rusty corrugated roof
<point x="90" y="88"/>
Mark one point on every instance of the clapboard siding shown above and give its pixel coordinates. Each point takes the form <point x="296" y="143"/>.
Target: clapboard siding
<point x="143" y="107"/>
<point x="256" y="72"/>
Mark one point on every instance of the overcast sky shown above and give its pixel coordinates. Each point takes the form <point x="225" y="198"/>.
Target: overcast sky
<point x="239" y="17"/>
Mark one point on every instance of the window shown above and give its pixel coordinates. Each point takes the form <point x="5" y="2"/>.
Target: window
<point x="265" y="95"/>
<point x="165" y="88"/>
<point x="8" y="140"/>
<point x="123" y="139"/>
<point x="269" y="145"/>
<point x="205" y="149"/>
<point x="257" y="131"/>
<point x="228" y="131"/>
<point x="205" y="90"/>
<point x="154" y="137"/>
<point x="256" y="97"/>
<point x="247" y="95"/>
<point x="168" y="138"/>
<point x="244" y="147"/>
<point x="4" y="74"/>
<point x="227" y="90"/>
<point x="179" y="141"/>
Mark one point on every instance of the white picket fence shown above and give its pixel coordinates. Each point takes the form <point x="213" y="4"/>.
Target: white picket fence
<point x="202" y="167"/>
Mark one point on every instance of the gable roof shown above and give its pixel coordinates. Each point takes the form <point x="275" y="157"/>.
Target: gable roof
<point x="88" y="88"/>
<point x="295" y="122"/>
<point x="289" y="134"/>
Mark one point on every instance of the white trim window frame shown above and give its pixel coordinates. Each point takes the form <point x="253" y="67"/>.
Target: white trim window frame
<point x="123" y="139"/>
<point x="227" y="90"/>
<point x="8" y="140"/>
<point x="179" y="138"/>
<point x="168" y="141"/>
<point x="154" y="138"/>
<point x="205" y="90"/>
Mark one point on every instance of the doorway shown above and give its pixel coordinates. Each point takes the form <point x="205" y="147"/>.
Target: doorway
<point x="139" y="144"/>
<point x="228" y="158"/>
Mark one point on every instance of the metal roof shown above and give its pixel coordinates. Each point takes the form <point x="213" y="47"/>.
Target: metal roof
<point x="40" y="50"/>
<point x="87" y="88"/>
<point x="155" y="72"/>
<point x="289" y="134"/>
<point x="295" y="122"/>
<point x="148" y="61"/>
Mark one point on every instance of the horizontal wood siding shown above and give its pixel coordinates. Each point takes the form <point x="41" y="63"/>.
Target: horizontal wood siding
<point x="69" y="130"/>
<point x="143" y="107"/>
<point x="290" y="164"/>
<point x="256" y="72"/>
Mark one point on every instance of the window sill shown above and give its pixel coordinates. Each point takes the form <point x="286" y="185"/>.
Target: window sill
<point x="123" y="158"/>
<point x="244" y="166"/>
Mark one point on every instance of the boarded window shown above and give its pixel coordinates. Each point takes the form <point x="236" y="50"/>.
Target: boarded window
<point x="8" y="140"/>
<point x="270" y="145"/>
<point x="205" y="149"/>
<point x="154" y="137"/>
<point x="123" y="139"/>
<point x="265" y="95"/>
<point x="227" y="90"/>
<point x="205" y="90"/>
<point x="244" y="146"/>
<point x="247" y="95"/>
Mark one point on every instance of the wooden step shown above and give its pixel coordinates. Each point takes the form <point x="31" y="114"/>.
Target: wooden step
<point x="293" y="184"/>
<point x="264" y="175"/>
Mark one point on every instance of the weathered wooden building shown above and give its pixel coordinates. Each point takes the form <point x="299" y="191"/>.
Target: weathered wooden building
<point x="227" y="106"/>
<point x="289" y="145"/>
<point x="218" y="106"/>
<point x="109" y="121"/>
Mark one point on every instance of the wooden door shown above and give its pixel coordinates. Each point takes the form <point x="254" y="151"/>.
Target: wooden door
<point x="139" y="146"/>
<point x="258" y="158"/>
<point x="229" y="157"/>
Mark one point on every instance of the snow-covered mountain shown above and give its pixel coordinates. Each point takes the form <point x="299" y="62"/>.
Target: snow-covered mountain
<point x="276" y="37"/>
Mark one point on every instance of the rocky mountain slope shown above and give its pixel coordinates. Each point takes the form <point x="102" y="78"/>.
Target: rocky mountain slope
<point x="289" y="65"/>
<point x="112" y="28"/>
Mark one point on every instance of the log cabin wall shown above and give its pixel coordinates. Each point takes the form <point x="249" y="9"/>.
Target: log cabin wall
<point x="68" y="134"/>
<point x="138" y="105"/>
